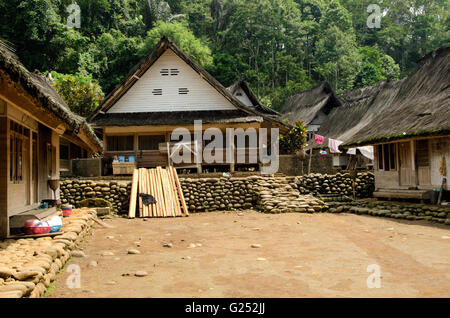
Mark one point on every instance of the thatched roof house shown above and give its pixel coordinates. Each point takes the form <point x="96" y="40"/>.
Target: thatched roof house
<point x="33" y="118"/>
<point x="312" y="107"/>
<point x="420" y="106"/>
<point x="50" y="102"/>
<point x="408" y="123"/>
<point x="242" y="91"/>
<point x="168" y="90"/>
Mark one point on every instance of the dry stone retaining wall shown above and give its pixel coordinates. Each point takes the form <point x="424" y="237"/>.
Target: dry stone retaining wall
<point x="340" y="184"/>
<point x="412" y="212"/>
<point x="29" y="266"/>
<point x="75" y="191"/>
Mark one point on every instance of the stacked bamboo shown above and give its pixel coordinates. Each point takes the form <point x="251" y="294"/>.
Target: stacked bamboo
<point x="164" y="186"/>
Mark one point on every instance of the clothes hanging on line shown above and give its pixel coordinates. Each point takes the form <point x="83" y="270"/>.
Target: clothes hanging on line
<point x="334" y="145"/>
<point x="318" y="139"/>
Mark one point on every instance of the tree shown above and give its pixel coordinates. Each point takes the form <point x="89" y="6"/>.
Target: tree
<point x="294" y="140"/>
<point x="183" y="38"/>
<point x="80" y="92"/>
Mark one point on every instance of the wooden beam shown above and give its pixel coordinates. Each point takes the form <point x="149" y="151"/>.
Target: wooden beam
<point x="4" y="151"/>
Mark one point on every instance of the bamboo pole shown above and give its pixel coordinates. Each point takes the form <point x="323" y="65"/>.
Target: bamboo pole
<point x="175" y="193"/>
<point x="160" y="192"/>
<point x="133" y="198"/>
<point x="140" y="191"/>
<point x="180" y="191"/>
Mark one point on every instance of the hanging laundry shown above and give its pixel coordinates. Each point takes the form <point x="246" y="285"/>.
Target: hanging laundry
<point x="367" y="151"/>
<point x="334" y="145"/>
<point x="351" y="151"/>
<point x="318" y="139"/>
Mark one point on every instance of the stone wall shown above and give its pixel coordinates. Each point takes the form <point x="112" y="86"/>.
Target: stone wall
<point x="412" y="212"/>
<point x="117" y="193"/>
<point x="29" y="266"/>
<point x="235" y="193"/>
<point x="340" y="183"/>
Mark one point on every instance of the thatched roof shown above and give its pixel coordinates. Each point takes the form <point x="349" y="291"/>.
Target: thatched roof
<point x="175" y="118"/>
<point x="358" y="108"/>
<point x="306" y="105"/>
<point x="242" y="84"/>
<point x="419" y="105"/>
<point x="41" y="89"/>
<point x="138" y="70"/>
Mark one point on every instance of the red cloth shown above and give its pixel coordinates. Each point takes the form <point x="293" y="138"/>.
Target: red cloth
<point x="318" y="139"/>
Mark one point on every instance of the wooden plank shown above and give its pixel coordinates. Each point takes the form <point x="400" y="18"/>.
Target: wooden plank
<point x="161" y="191"/>
<point x="146" y="191"/>
<point x="133" y="198"/>
<point x="157" y="192"/>
<point x="139" y="191"/>
<point x="180" y="191"/>
<point x="149" y="184"/>
<point x="169" y="192"/>
<point x="175" y="196"/>
<point x="179" y="212"/>
<point x="35" y="235"/>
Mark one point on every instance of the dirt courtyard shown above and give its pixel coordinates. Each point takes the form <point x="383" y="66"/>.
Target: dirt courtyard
<point x="293" y="255"/>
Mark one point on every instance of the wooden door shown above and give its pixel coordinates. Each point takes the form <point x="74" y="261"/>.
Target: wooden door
<point x="26" y="169"/>
<point x="34" y="169"/>
<point x="423" y="162"/>
<point x="405" y="163"/>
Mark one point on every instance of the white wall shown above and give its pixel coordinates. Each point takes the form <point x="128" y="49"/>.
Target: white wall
<point x="201" y="97"/>
<point x="243" y="97"/>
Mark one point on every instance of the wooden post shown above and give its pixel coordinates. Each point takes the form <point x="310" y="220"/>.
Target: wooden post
<point x="4" y="157"/>
<point x="310" y="159"/>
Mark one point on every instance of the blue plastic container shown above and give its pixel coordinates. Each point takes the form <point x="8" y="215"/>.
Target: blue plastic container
<point x="121" y="158"/>
<point x="55" y="229"/>
<point x="131" y="159"/>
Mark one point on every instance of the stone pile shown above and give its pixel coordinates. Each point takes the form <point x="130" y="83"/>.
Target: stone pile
<point x="75" y="191"/>
<point x="340" y="183"/>
<point x="28" y="266"/>
<point x="214" y="194"/>
<point x="268" y="194"/>
<point x="278" y="195"/>
<point x="438" y="214"/>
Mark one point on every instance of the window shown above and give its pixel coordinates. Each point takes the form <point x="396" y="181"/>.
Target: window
<point x="183" y="91"/>
<point x="120" y="143"/>
<point x="64" y="152"/>
<point x="157" y="91"/>
<point x="164" y="72"/>
<point x="17" y="135"/>
<point x="150" y="142"/>
<point x="174" y="71"/>
<point x="386" y="157"/>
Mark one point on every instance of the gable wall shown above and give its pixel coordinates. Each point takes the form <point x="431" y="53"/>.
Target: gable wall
<point x="243" y="98"/>
<point x="201" y="97"/>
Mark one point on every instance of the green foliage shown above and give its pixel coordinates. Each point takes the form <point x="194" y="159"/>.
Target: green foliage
<point x="80" y="92"/>
<point x="183" y="38"/>
<point x="279" y="46"/>
<point x="294" y="140"/>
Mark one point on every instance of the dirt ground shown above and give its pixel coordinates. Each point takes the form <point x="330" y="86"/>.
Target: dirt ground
<point x="300" y="255"/>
